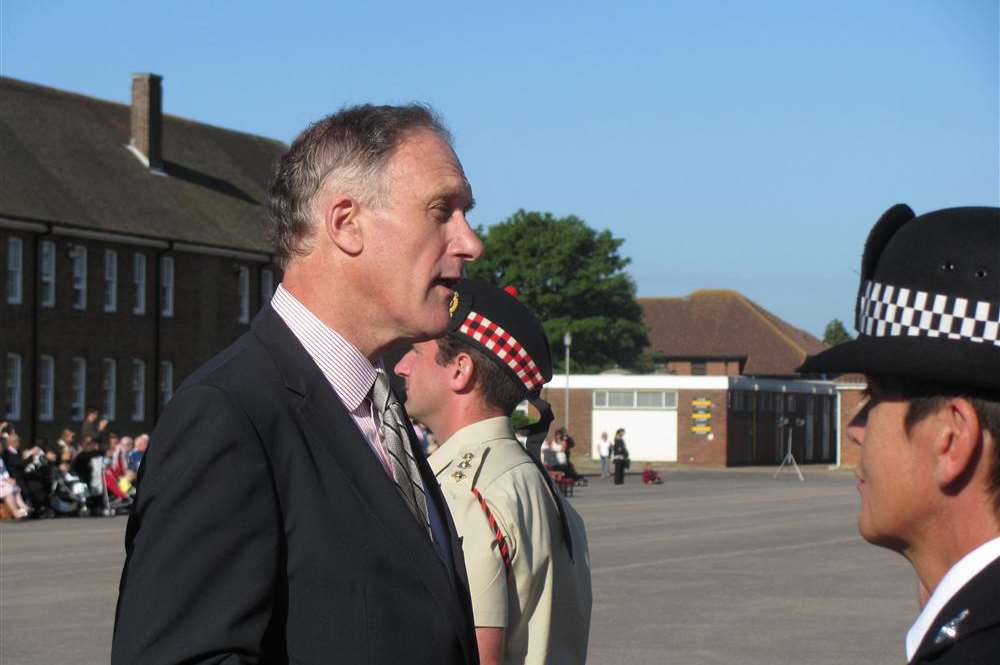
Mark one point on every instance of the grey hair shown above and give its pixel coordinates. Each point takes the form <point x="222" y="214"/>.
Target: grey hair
<point x="353" y="145"/>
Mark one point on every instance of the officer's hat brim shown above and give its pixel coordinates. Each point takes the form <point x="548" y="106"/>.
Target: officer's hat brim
<point x="933" y="360"/>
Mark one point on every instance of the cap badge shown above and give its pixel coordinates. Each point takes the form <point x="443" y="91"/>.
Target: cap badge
<point x="453" y="305"/>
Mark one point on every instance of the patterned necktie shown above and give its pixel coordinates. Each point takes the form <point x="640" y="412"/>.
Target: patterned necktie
<point x="397" y="444"/>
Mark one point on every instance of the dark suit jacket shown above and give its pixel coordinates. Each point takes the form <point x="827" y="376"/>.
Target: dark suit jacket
<point x="266" y="531"/>
<point x="977" y="636"/>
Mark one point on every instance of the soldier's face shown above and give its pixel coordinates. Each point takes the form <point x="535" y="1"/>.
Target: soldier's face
<point x="426" y="382"/>
<point x="895" y="470"/>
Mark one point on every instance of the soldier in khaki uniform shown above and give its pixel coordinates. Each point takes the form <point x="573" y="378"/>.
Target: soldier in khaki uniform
<point x="525" y="548"/>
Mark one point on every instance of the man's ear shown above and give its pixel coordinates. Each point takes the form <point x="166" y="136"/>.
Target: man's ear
<point x="340" y="223"/>
<point x="958" y="445"/>
<point x="463" y="375"/>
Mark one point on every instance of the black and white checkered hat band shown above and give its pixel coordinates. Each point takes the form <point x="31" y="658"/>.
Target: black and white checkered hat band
<point x="890" y="311"/>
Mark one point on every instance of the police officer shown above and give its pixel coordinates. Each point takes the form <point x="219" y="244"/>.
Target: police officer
<point x="525" y="548"/>
<point x="928" y="315"/>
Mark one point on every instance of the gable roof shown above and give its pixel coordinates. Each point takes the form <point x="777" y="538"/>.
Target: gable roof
<point x="64" y="161"/>
<point x="725" y="324"/>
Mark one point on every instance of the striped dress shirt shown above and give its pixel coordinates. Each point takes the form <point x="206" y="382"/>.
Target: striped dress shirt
<point x="348" y="371"/>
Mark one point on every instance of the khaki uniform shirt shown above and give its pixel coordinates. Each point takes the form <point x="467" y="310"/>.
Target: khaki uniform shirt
<point x="544" y="600"/>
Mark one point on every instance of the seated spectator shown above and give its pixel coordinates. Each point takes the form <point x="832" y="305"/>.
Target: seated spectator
<point x="135" y="457"/>
<point x="650" y="476"/>
<point x="10" y="492"/>
<point x="17" y="462"/>
<point x="82" y="465"/>
<point x="66" y="442"/>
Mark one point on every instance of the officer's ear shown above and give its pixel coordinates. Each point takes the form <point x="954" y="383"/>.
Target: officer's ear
<point x="463" y="373"/>
<point x="958" y="443"/>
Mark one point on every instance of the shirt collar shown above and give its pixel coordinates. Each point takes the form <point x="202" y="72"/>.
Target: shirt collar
<point x="469" y="437"/>
<point x="957" y="577"/>
<point x="347" y="370"/>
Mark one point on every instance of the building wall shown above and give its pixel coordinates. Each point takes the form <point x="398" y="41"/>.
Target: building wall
<point x="581" y="407"/>
<point x="850" y="402"/>
<point x="712" y="367"/>
<point x="701" y="449"/>
<point x="205" y="320"/>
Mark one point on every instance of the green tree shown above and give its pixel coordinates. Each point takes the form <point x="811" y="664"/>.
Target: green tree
<point x="836" y="333"/>
<point x="574" y="279"/>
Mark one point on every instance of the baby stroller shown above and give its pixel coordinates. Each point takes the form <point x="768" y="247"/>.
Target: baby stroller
<point x="69" y="494"/>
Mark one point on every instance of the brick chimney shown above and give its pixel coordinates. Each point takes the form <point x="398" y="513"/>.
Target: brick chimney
<point x="147" y="120"/>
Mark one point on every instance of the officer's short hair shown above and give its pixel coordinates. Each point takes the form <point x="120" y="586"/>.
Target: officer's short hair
<point x="499" y="389"/>
<point x="926" y="398"/>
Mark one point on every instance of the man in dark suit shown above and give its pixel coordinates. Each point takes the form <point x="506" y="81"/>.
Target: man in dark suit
<point x="928" y="318"/>
<point x="284" y="513"/>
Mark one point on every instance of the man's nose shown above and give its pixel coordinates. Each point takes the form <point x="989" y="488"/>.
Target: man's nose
<point x="467" y="244"/>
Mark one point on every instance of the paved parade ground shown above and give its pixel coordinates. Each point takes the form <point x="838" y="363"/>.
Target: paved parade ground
<point x="712" y="567"/>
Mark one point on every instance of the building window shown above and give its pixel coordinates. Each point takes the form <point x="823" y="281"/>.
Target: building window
<point x="698" y="368"/>
<point x="244" y="294"/>
<point x="110" y="280"/>
<point x="166" y="285"/>
<point x="266" y="286"/>
<point x="47" y="274"/>
<point x="139" y="284"/>
<point x="138" y="390"/>
<point x="79" y="255"/>
<point x="166" y="382"/>
<point x="621" y="399"/>
<point x="12" y="387"/>
<point x="15" y="266"/>
<point x="46" y="387"/>
<point x="635" y="399"/>
<point x="108" y="387"/>
<point x="79" y="388"/>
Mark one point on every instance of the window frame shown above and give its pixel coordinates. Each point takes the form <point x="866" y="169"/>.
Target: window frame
<point x="15" y="270"/>
<point x="601" y="399"/>
<point x="109" y="388"/>
<point x="110" y="280"/>
<point x="139" y="283"/>
<point x="79" y="257"/>
<point x="78" y="406"/>
<point x="12" y="386"/>
<point x="166" y="387"/>
<point x="138" y="390"/>
<point x="46" y="388"/>
<point x="47" y="274"/>
<point x="167" y="274"/>
<point x="243" y="280"/>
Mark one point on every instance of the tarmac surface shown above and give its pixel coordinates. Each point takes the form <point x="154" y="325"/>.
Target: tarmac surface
<point x="714" y="566"/>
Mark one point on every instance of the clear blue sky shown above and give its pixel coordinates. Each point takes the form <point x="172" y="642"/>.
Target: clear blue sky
<point x="744" y="145"/>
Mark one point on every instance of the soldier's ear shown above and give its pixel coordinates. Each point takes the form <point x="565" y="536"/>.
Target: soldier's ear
<point x="463" y="374"/>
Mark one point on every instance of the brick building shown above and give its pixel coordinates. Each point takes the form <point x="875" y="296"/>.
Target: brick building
<point x="725" y="391"/>
<point x="133" y="247"/>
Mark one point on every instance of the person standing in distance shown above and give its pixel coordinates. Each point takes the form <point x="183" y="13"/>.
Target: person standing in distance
<point x="284" y="512"/>
<point x="525" y="547"/>
<point x="619" y="455"/>
<point x="928" y="314"/>
<point x="604" y="451"/>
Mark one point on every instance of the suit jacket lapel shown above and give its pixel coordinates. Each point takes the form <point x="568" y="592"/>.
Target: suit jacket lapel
<point x="335" y="438"/>
<point x="970" y="610"/>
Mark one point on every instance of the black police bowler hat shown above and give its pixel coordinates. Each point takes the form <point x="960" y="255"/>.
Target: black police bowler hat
<point x="495" y="321"/>
<point x="929" y="302"/>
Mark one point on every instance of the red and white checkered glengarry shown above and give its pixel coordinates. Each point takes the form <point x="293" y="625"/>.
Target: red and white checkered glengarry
<point x="505" y="347"/>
